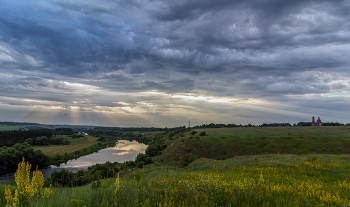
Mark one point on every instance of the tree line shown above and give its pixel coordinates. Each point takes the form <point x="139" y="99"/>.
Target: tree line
<point x="110" y="133"/>
<point x="11" y="137"/>
<point x="129" y="129"/>
<point x="10" y="123"/>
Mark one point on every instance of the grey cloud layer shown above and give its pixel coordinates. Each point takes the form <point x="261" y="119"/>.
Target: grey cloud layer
<point x="239" y="49"/>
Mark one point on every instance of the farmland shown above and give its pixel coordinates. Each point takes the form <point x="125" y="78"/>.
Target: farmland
<point x="24" y="127"/>
<point x="75" y="144"/>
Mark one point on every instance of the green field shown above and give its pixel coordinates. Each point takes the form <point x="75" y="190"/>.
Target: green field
<point x="223" y="143"/>
<point x="17" y="127"/>
<point x="75" y="144"/>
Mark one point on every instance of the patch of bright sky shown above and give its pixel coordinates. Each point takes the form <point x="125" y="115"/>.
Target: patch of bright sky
<point x="197" y="98"/>
<point x="87" y="87"/>
<point x="344" y="94"/>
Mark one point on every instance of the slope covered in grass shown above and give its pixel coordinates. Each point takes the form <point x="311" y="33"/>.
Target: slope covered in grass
<point x="264" y="180"/>
<point x="223" y="143"/>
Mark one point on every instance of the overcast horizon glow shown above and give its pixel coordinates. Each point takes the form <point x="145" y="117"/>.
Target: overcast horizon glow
<point x="160" y="63"/>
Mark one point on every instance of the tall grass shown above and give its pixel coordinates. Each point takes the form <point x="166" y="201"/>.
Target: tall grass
<point x="268" y="180"/>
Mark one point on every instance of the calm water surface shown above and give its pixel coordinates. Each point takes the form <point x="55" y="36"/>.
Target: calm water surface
<point x="123" y="151"/>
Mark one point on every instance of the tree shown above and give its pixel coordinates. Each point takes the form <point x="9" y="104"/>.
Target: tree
<point x="43" y="140"/>
<point x="152" y="150"/>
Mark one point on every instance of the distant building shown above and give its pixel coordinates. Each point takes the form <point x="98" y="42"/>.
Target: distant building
<point x="317" y="123"/>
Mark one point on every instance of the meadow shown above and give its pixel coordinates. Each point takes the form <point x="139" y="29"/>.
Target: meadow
<point x="263" y="180"/>
<point x="75" y="145"/>
<point x="224" y="143"/>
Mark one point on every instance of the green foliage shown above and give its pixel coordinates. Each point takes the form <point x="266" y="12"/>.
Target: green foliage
<point x="11" y="137"/>
<point x="96" y="185"/>
<point x="101" y="139"/>
<point x="77" y="203"/>
<point x="202" y="134"/>
<point x="43" y="140"/>
<point x="29" y="141"/>
<point x="63" y="131"/>
<point x="143" y="158"/>
<point x="140" y="164"/>
<point x="271" y="180"/>
<point x="188" y="159"/>
<point x="130" y="163"/>
<point x="65" y="178"/>
<point x="11" y="156"/>
<point x="152" y="150"/>
<point x="59" y="141"/>
<point x="62" y="178"/>
<point x="193" y="132"/>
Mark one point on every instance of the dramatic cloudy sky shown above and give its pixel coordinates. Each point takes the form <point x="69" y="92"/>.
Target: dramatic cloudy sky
<point x="161" y="63"/>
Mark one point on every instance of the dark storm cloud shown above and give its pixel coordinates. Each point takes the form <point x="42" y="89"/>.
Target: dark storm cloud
<point x="273" y="50"/>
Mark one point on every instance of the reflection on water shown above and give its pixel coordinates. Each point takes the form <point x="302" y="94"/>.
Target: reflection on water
<point x="124" y="150"/>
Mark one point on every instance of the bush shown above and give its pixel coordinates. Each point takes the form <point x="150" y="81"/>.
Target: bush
<point x="187" y="159"/>
<point x="152" y="150"/>
<point x="143" y="158"/>
<point x="202" y="134"/>
<point x="193" y="132"/>
<point x="140" y="164"/>
<point x="58" y="140"/>
<point x="62" y="178"/>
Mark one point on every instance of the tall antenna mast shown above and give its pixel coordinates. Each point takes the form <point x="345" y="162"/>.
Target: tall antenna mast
<point x="189" y="123"/>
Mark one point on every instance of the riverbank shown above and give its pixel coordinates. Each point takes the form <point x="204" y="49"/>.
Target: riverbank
<point x="121" y="151"/>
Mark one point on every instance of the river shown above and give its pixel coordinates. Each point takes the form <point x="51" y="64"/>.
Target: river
<point x="124" y="150"/>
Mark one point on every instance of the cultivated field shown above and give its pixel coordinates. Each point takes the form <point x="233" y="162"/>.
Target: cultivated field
<point x="75" y="144"/>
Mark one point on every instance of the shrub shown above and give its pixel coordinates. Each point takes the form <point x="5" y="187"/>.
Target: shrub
<point x="143" y="158"/>
<point x="193" y="132"/>
<point x="140" y="164"/>
<point x="152" y="150"/>
<point x="42" y="140"/>
<point x="202" y="134"/>
<point x="187" y="159"/>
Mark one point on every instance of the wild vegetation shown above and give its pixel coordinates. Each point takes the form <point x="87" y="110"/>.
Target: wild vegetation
<point x="42" y="154"/>
<point x="11" y="156"/>
<point x="241" y="166"/>
<point x="75" y="144"/>
<point x="223" y="143"/>
<point x="11" y="137"/>
<point x="262" y="180"/>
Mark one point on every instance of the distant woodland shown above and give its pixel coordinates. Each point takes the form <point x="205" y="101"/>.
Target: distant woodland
<point x="11" y="137"/>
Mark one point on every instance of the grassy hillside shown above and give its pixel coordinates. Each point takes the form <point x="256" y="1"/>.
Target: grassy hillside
<point x="223" y="143"/>
<point x="281" y="166"/>
<point x="263" y="180"/>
